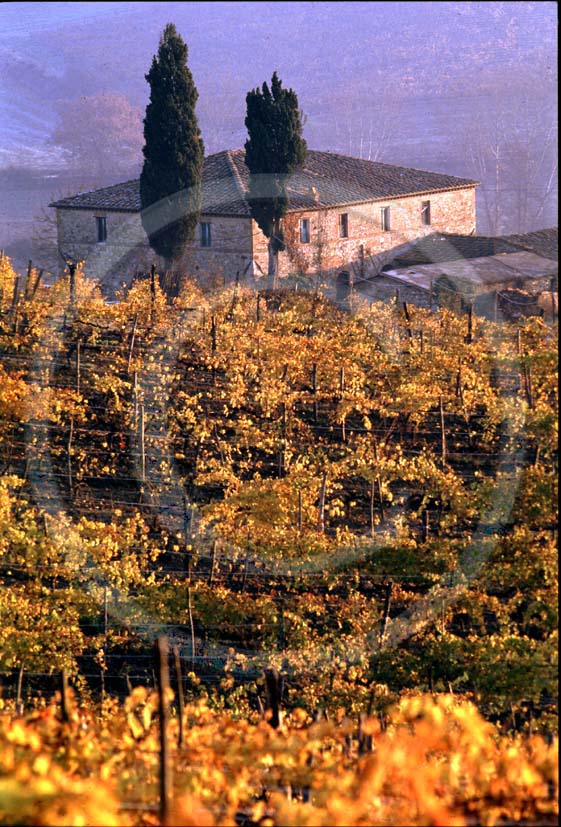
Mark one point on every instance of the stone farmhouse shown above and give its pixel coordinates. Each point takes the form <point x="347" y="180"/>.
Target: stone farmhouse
<point x="345" y="215"/>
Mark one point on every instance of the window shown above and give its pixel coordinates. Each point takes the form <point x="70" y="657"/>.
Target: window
<point x="344" y="225"/>
<point x="206" y="239"/>
<point x="385" y="219"/>
<point x="305" y="230"/>
<point x="101" y="227"/>
<point x="425" y="212"/>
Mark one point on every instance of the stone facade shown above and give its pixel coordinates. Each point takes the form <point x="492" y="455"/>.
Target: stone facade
<point x="126" y="251"/>
<point x="366" y="243"/>
<point x="239" y="247"/>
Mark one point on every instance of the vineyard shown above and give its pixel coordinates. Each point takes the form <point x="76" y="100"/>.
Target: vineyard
<point x="343" y="523"/>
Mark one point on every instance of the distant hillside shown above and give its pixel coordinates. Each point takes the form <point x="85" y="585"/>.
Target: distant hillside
<point x="338" y="57"/>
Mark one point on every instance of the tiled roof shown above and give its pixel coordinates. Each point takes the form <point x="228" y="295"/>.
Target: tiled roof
<point x="480" y="271"/>
<point x="543" y="242"/>
<point x="325" y="180"/>
<point x="439" y="247"/>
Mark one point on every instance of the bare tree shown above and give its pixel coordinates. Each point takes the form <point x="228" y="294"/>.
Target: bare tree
<point x="512" y="151"/>
<point x="366" y="129"/>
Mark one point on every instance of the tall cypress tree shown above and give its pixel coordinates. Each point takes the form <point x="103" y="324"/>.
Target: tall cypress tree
<point x="170" y="182"/>
<point x="275" y="149"/>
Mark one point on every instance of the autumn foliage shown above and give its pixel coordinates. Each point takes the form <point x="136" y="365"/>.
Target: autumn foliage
<point x="364" y="501"/>
<point x="436" y="761"/>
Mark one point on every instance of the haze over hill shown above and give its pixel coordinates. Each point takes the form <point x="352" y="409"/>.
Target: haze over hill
<point x="430" y="85"/>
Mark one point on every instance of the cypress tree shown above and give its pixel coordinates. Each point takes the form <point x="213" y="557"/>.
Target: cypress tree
<point x="170" y="182"/>
<point x="274" y="149"/>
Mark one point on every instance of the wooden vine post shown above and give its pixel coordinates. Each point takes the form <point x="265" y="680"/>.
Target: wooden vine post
<point x="212" y="562"/>
<point x="152" y="292"/>
<point x="315" y="390"/>
<point x="28" y="280"/>
<point x="142" y="449"/>
<point x="408" y="320"/>
<point x="191" y="626"/>
<point x="19" y="703"/>
<point x="72" y="270"/>
<point x="372" y="526"/>
<point x="180" y="696"/>
<point x="527" y="368"/>
<point x="442" y="431"/>
<point x="426" y="525"/>
<point x="379" y="487"/>
<point x="162" y="677"/>
<point x="213" y="345"/>
<point x="469" y="336"/>
<point x="78" y="359"/>
<point x="321" y="507"/>
<point x="36" y="285"/>
<point x="135" y="398"/>
<point x="275" y="685"/>
<point x="69" y="453"/>
<point x="131" y="348"/>
<point x="64" y="703"/>
<point x="386" y="615"/>
<point x="15" y="294"/>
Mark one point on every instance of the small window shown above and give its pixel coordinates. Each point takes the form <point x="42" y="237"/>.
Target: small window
<point x="344" y="225"/>
<point x="101" y="226"/>
<point x="305" y="230"/>
<point x="385" y="219"/>
<point x="425" y="213"/>
<point x="206" y="238"/>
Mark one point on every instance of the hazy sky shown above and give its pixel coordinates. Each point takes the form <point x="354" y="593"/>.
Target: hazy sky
<point x="431" y="85"/>
<point x="347" y="61"/>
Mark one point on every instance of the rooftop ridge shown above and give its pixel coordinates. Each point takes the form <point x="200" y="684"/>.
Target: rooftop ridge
<point x="341" y="180"/>
<point x="235" y="171"/>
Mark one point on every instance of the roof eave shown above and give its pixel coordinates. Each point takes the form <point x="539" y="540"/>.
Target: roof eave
<point x="137" y="212"/>
<point x="97" y="208"/>
<point x="314" y="208"/>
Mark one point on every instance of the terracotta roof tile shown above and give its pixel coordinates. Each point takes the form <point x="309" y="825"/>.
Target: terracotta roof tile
<point x="325" y="180"/>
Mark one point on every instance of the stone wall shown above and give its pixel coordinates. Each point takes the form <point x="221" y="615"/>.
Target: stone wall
<point x="127" y="252"/>
<point x="451" y="212"/>
<point x="238" y="246"/>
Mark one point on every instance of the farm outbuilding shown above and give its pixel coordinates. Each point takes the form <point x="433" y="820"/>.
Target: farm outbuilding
<point x="510" y="276"/>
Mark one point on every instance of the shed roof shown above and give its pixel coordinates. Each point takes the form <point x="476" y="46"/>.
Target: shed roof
<point x="444" y="247"/>
<point x="483" y="272"/>
<point x="543" y="242"/>
<point x="326" y="180"/>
